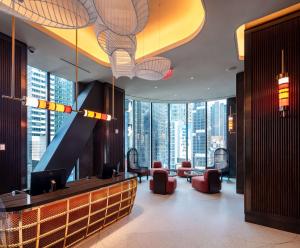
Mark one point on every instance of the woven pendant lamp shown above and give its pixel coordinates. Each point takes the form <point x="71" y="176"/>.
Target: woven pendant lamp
<point x="65" y="14"/>
<point x="110" y="41"/>
<point x="122" y="64"/>
<point x="123" y="17"/>
<point x="154" y="68"/>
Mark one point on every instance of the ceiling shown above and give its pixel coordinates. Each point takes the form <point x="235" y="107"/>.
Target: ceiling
<point x="200" y="66"/>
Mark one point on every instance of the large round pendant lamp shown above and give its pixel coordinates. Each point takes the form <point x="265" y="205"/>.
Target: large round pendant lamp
<point x="123" y="17"/>
<point x="66" y="14"/>
<point x="110" y="41"/>
<point x="154" y="68"/>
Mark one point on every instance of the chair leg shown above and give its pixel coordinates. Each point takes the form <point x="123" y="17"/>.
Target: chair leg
<point x="140" y="179"/>
<point x="147" y="177"/>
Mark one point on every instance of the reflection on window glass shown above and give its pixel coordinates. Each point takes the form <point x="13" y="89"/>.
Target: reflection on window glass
<point x="142" y="132"/>
<point x="128" y="125"/>
<point x="72" y="176"/>
<point x="216" y="128"/>
<point x="37" y="118"/>
<point x="197" y="134"/>
<point x="61" y="91"/>
<point x="160" y="141"/>
<point x="177" y="134"/>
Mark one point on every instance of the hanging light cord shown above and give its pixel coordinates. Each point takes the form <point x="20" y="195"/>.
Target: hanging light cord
<point x="113" y="97"/>
<point x="13" y="31"/>
<point x="76" y="72"/>
<point x="282" y="61"/>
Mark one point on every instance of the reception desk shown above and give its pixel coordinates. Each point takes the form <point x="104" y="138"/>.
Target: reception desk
<point x="67" y="216"/>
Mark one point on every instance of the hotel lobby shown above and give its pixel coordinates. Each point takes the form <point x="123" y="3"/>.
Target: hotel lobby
<point x="149" y="123"/>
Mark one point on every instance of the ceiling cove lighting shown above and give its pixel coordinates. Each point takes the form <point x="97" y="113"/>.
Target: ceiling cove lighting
<point x="66" y="14"/>
<point x="239" y="33"/>
<point x="283" y="89"/>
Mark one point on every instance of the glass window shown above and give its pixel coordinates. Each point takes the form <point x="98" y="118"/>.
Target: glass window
<point x="37" y="118"/>
<point x="197" y="134"/>
<point x="178" y="134"/>
<point x="61" y="91"/>
<point x="142" y="132"/>
<point x="216" y="128"/>
<point x="160" y="140"/>
<point x="128" y="125"/>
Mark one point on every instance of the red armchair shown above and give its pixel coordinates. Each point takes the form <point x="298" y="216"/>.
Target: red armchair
<point x="157" y="165"/>
<point x="161" y="183"/>
<point x="185" y="166"/>
<point x="210" y="182"/>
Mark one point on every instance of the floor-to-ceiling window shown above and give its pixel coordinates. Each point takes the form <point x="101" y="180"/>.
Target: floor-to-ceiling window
<point x="216" y="128"/>
<point x="178" y="134"/>
<point x="41" y="131"/>
<point x="142" y="131"/>
<point x="197" y="134"/>
<point x="174" y="132"/>
<point x="128" y="124"/>
<point x="160" y="133"/>
<point x="61" y="91"/>
<point x="37" y="118"/>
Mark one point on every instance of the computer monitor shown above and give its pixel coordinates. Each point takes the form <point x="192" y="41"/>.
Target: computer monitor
<point x="48" y="180"/>
<point x="107" y="172"/>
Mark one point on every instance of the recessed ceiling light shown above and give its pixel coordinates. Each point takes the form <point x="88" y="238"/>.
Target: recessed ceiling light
<point x="155" y="87"/>
<point x="192" y="78"/>
<point x="208" y="88"/>
<point x="175" y="94"/>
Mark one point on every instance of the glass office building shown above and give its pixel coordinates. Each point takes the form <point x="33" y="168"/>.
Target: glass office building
<point x="43" y="124"/>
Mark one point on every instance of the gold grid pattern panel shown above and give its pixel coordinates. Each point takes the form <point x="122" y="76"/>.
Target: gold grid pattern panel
<point x="66" y="222"/>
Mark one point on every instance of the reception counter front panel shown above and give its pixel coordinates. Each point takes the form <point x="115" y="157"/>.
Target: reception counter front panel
<point x="64" y="222"/>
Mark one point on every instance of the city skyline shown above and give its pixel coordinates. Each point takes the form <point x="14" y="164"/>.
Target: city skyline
<point x="60" y="91"/>
<point x="178" y="133"/>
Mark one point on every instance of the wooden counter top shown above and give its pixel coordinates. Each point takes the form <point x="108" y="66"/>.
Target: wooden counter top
<point x="21" y="201"/>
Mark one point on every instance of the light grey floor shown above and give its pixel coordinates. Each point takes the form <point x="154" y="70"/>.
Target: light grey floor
<point x="189" y="219"/>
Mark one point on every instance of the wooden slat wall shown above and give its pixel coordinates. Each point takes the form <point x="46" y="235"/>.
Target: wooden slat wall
<point x="109" y="145"/>
<point x="231" y="137"/>
<point x="240" y="133"/>
<point x="272" y="145"/>
<point x="13" y="119"/>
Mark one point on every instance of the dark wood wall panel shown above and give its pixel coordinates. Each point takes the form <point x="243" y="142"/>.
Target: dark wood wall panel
<point x="240" y="133"/>
<point x="231" y="137"/>
<point x="109" y="136"/>
<point x="272" y="143"/>
<point x="13" y="123"/>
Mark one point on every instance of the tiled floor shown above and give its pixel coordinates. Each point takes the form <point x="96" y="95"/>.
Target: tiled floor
<point x="189" y="219"/>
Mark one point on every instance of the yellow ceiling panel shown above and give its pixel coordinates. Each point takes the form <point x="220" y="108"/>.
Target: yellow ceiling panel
<point x="171" y="24"/>
<point x="240" y="39"/>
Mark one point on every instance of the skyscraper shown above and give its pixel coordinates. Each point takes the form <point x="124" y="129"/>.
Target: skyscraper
<point x="216" y="131"/>
<point x="142" y="132"/>
<point x="198" y="134"/>
<point x="61" y="91"/>
<point x="177" y="134"/>
<point x="37" y="118"/>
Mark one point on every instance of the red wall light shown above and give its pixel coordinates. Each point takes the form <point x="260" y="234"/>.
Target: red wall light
<point x="168" y="74"/>
<point x="283" y="89"/>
